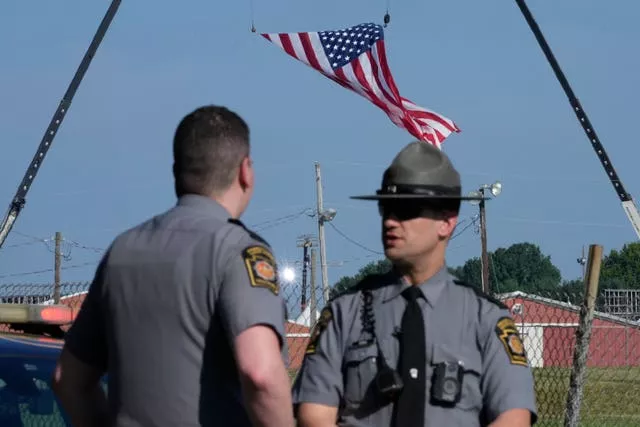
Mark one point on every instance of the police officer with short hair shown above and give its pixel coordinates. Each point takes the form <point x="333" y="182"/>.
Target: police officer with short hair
<point x="184" y="313"/>
<point x="415" y="347"/>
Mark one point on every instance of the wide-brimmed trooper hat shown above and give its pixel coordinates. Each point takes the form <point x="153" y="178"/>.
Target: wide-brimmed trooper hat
<point x="420" y="171"/>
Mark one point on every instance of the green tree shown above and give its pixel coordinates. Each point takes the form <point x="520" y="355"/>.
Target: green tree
<point x="374" y="267"/>
<point x="573" y="291"/>
<point x="521" y="266"/>
<point x="621" y="269"/>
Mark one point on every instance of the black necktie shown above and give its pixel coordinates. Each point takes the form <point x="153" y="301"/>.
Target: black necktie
<point x="410" y="407"/>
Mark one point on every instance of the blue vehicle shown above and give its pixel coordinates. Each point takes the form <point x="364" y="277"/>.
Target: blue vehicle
<point x="29" y="349"/>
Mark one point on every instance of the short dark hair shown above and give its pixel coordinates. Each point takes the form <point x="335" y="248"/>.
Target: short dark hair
<point x="208" y="148"/>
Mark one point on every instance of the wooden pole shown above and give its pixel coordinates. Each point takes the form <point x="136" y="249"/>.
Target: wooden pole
<point x="57" y="267"/>
<point x="321" y="239"/>
<point x="583" y="337"/>
<point x="313" y="297"/>
<point x="483" y="239"/>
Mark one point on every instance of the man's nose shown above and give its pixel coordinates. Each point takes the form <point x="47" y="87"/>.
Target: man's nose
<point x="390" y="221"/>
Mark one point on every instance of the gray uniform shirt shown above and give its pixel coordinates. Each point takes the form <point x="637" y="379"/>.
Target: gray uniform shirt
<point x="168" y="299"/>
<point x="461" y="325"/>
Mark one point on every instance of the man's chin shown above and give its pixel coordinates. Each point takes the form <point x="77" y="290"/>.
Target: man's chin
<point x="392" y="254"/>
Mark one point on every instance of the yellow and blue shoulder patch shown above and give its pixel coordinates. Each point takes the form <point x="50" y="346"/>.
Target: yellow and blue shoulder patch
<point x="510" y="338"/>
<point x="326" y="316"/>
<point x="262" y="268"/>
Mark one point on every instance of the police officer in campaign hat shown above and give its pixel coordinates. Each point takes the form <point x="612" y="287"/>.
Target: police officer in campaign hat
<point x="415" y="347"/>
<point x="184" y="313"/>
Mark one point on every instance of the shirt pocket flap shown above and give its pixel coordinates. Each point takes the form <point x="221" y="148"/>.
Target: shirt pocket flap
<point x="442" y="353"/>
<point x="356" y="355"/>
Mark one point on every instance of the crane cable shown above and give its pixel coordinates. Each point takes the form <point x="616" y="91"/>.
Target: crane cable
<point x="252" y="12"/>
<point x="387" y="16"/>
<point x="386" y="19"/>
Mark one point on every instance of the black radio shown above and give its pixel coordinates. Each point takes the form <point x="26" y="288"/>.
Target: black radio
<point x="388" y="381"/>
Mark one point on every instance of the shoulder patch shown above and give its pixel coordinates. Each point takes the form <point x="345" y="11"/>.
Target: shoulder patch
<point x="253" y="234"/>
<point x="510" y="338"/>
<point x="481" y="294"/>
<point x="326" y="316"/>
<point x="262" y="268"/>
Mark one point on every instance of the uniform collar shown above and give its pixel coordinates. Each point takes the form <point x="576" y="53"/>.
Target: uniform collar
<point x="431" y="289"/>
<point x="204" y="204"/>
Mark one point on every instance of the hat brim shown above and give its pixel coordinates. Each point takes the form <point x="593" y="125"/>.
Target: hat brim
<point x="416" y="197"/>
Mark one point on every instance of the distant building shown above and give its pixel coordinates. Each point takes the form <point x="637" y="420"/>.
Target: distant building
<point x="304" y="318"/>
<point x="549" y="326"/>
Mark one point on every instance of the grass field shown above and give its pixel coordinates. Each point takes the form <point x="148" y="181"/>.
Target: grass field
<point x="611" y="396"/>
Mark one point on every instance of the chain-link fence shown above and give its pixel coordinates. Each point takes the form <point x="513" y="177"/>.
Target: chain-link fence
<point x="547" y="321"/>
<point x="70" y="294"/>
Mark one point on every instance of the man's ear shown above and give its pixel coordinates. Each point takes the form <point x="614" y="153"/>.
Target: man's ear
<point x="447" y="225"/>
<point x="245" y="173"/>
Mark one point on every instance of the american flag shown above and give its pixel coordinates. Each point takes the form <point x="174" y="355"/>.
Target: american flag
<point x="355" y="58"/>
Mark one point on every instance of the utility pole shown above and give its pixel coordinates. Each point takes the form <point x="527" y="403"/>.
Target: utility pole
<point x="321" y="220"/>
<point x="582" y="261"/>
<point x="483" y="238"/>
<point x="305" y="242"/>
<point x="57" y="267"/>
<point x="313" y="305"/>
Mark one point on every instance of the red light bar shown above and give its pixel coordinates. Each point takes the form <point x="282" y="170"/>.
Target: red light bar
<point x="36" y="313"/>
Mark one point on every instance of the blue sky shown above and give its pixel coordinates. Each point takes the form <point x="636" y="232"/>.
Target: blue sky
<point x="476" y="62"/>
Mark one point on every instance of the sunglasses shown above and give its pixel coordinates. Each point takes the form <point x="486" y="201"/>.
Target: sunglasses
<point x="404" y="210"/>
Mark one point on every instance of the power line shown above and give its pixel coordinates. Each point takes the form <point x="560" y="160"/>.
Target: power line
<point x="473" y="222"/>
<point x="88" y="248"/>
<point x="264" y="225"/>
<point x="362" y="258"/>
<point x="349" y="239"/>
<point x="46" y="241"/>
<point x="360" y="245"/>
<point x="18" y="245"/>
<point x="48" y="270"/>
<point x="560" y="222"/>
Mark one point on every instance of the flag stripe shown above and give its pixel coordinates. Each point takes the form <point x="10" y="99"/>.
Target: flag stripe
<point x="356" y="59"/>
<point x="316" y="45"/>
<point x="380" y="80"/>
<point x="310" y="52"/>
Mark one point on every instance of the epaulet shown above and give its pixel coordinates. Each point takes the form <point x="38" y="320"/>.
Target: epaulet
<point x="252" y="233"/>
<point x="367" y="283"/>
<point x="481" y="293"/>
